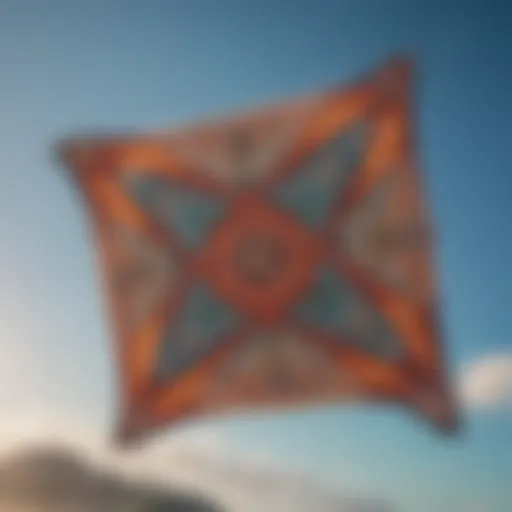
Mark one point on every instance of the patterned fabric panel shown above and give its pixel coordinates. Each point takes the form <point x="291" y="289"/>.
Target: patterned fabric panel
<point x="145" y="274"/>
<point x="311" y="191"/>
<point x="335" y="307"/>
<point x="199" y="326"/>
<point x="276" y="365"/>
<point x="387" y="235"/>
<point x="243" y="152"/>
<point x="189" y="214"/>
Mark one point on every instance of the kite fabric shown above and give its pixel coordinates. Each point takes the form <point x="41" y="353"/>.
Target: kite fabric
<point x="275" y="259"/>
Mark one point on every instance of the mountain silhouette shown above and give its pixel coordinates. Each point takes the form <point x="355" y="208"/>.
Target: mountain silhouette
<point x="51" y="479"/>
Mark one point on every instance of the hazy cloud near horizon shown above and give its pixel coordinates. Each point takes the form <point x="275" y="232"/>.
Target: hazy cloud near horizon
<point x="202" y="460"/>
<point x="203" y="465"/>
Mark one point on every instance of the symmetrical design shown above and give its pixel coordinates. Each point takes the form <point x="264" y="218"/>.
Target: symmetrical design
<point x="381" y="239"/>
<point x="312" y="190"/>
<point x="142" y="274"/>
<point x="277" y="258"/>
<point x="342" y="312"/>
<point x="276" y="367"/>
<point x="202" y="323"/>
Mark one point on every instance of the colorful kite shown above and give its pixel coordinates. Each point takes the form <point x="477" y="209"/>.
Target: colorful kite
<point x="273" y="259"/>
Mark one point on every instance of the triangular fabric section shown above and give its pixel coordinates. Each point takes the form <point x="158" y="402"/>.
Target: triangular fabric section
<point x="200" y="325"/>
<point x="386" y="234"/>
<point x="188" y="214"/>
<point x="275" y="366"/>
<point x="337" y="308"/>
<point x="311" y="191"/>
<point x="143" y="274"/>
<point x="245" y="149"/>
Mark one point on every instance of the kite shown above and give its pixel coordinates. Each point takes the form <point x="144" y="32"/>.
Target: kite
<point x="274" y="259"/>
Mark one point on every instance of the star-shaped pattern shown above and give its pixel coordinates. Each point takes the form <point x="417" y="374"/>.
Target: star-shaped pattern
<point x="274" y="259"/>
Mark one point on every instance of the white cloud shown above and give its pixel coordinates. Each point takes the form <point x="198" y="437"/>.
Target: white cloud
<point x="486" y="383"/>
<point x="240" y="482"/>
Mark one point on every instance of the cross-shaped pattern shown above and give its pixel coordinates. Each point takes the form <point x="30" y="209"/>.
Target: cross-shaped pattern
<point x="296" y="270"/>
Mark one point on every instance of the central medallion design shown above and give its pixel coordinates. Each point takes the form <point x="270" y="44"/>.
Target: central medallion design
<point x="260" y="259"/>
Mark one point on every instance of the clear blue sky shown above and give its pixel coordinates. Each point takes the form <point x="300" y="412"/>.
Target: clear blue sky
<point x="68" y="66"/>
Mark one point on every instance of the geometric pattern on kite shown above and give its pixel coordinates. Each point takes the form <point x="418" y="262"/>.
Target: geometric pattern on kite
<point x="188" y="214"/>
<point x="201" y="324"/>
<point x="338" y="309"/>
<point x="281" y="364"/>
<point x="382" y="240"/>
<point x="313" y="189"/>
<point x="143" y="273"/>
<point x="273" y="259"/>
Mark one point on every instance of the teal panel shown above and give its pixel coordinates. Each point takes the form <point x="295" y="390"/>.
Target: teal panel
<point x="188" y="214"/>
<point x="335" y="307"/>
<point x="202" y="322"/>
<point x="312" y="190"/>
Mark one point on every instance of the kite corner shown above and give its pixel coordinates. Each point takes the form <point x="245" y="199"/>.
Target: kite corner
<point x="443" y="413"/>
<point x="68" y="153"/>
<point x="398" y="72"/>
<point x="62" y="151"/>
<point x="126" y="435"/>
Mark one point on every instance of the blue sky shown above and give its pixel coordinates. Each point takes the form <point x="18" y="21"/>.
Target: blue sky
<point x="69" y="66"/>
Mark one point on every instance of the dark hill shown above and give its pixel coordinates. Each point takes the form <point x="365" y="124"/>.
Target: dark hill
<point x="57" y="480"/>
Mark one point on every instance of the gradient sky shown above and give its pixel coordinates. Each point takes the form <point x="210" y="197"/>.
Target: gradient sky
<point x="68" y="66"/>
